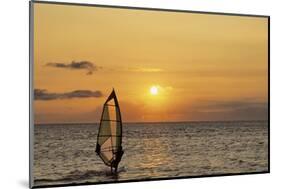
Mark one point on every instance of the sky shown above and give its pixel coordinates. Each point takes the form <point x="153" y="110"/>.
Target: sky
<point x="164" y="66"/>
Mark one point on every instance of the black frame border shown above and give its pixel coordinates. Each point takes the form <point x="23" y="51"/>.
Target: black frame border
<point x="31" y="125"/>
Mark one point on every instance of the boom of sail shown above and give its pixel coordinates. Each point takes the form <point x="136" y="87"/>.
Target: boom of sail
<point x="109" y="140"/>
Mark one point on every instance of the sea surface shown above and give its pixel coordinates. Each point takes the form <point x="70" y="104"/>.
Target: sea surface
<point x="65" y="153"/>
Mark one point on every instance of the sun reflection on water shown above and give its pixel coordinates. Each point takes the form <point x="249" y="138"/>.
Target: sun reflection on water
<point x="155" y="154"/>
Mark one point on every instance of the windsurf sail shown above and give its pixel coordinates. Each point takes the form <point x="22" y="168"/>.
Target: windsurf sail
<point x="109" y="140"/>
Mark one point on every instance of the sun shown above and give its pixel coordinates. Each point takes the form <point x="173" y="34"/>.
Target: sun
<point x="154" y="90"/>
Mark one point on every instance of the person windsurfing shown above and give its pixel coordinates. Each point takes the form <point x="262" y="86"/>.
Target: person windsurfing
<point x="109" y="139"/>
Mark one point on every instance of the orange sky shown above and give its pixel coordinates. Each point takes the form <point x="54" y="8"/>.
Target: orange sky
<point x="205" y="67"/>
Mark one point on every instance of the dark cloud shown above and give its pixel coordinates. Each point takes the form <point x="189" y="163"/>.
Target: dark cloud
<point x="232" y="110"/>
<point x="230" y="105"/>
<point x="42" y="94"/>
<point x="80" y="65"/>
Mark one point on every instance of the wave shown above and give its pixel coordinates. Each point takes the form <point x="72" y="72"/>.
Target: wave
<point x="78" y="175"/>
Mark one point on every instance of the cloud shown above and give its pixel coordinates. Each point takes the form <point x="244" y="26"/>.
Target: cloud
<point x="80" y="65"/>
<point x="143" y="69"/>
<point x="230" y="105"/>
<point x="244" y="109"/>
<point x="42" y="94"/>
<point x="163" y="88"/>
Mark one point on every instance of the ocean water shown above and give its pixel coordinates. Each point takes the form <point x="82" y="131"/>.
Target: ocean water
<point x="65" y="154"/>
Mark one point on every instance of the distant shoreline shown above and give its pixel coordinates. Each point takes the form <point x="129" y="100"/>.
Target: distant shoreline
<point x="90" y="123"/>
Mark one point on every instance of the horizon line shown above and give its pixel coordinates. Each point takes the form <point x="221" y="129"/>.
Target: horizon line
<point x="138" y="122"/>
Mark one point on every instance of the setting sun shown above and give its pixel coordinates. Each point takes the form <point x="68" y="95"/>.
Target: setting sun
<point x="154" y="90"/>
